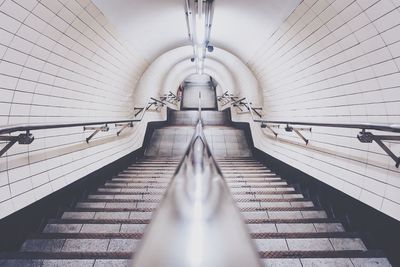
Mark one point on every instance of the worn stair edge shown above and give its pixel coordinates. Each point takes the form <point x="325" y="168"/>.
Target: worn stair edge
<point x="156" y="200"/>
<point x="145" y="221"/>
<point x="153" y="209"/>
<point x="129" y="255"/>
<point x="233" y="193"/>
<point x="139" y="235"/>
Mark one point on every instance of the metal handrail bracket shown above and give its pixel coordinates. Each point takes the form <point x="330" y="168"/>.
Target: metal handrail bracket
<point x="100" y="126"/>
<point x="364" y="136"/>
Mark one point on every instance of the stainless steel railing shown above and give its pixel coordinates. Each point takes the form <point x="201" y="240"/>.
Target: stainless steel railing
<point x="364" y="136"/>
<point x="197" y="222"/>
<point x="26" y="137"/>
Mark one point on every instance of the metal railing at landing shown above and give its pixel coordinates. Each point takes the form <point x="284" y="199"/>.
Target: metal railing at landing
<point x="364" y="136"/>
<point x="197" y="222"/>
<point x="26" y="137"/>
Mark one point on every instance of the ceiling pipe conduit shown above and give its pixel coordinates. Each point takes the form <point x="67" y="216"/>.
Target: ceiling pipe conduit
<point x="197" y="222"/>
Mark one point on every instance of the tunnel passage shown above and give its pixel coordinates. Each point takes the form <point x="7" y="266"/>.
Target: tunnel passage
<point x="224" y="140"/>
<point x="195" y="85"/>
<point x="311" y="61"/>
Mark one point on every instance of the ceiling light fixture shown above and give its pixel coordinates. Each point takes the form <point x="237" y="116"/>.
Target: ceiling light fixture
<point x="199" y="15"/>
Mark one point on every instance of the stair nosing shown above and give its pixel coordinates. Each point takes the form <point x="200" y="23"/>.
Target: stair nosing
<point x="147" y="221"/>
<point x="139" y="235"/>
<point x="129" y="255"/>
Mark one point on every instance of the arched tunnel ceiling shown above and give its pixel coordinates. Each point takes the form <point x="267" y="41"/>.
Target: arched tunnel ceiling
<point x="156" y="26"/>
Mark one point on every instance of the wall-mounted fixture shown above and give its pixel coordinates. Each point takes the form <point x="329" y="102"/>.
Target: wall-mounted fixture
<point x="199" y="14"/>
<point x="365" y="136"/>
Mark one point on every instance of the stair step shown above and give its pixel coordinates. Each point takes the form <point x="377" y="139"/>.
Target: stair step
<point x="238" y="199"/>
<point x="128" y="255"/>
<point x="139" y="228"/>
<point x="154" y="204"/>
<point x="310" y="244"/>
<point x="247" y="209"/>
<point x="236" y="184"/>
<point x="137" y="235"/>
<point x="130" y="242"/>
<point x="249" y="215"/>
<point x="141" y="221"/>
<point x="233" y="184"/>
<point x="280" y="214"/>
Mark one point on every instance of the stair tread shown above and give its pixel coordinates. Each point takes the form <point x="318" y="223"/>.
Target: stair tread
<point x="128" y="255"/>
<point x="104" y="228"/>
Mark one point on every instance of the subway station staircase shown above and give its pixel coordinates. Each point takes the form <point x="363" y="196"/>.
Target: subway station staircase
<point x="106" y="228"/>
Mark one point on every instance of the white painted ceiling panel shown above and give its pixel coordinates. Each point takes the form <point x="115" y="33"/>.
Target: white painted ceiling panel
<point x="151" y="26"/>
<point x="242" y="27"/>
<point x="156" y="26"/>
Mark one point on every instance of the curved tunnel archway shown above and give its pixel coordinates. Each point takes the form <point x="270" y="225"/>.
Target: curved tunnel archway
<point x="169" y="70"/>
<point x="317" y="60"/>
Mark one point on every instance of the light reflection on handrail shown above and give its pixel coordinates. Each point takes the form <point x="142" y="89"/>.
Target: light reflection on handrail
<point x="197" y="222"/>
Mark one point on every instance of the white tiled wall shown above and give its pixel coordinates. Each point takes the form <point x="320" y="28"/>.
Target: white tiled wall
<point x="60" y="61"/>
<point x="336" y="61"/>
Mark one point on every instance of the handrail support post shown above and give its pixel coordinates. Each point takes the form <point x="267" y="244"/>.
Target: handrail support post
<point x="139" y="110"/>
<point x="368" y="137"/>
<point x="263" y="125"/>
<point x="297" y="131"/>
<point x="124" y="126"/>
<point x="103" y="128"/>
<point x="23" y="139"/>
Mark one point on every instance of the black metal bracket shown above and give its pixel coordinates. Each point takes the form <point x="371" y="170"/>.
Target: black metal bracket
<point x="264" y="125"/>
<point x="22" y="139"/>
<point x="368" y="137"/>
<point x="138" y="111"/>
<point x="96" y="130"/>
<point x="297" y="131"/>
<point x="124" y="126"/>
<point x="240" y="103"/>
<point x="155" y="102"/>
<point x="227" y="98"/>
<point x="256" y="110"/>
<point x="170" y="98"/>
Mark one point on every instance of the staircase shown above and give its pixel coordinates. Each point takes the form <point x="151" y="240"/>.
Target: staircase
<point x="105" y="228"/>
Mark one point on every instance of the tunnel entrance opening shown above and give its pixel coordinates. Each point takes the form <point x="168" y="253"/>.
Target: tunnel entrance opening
<point x="195" y="84"/>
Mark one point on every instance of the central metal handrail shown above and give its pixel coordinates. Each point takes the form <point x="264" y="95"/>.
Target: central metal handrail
<point x="197" y="222"/>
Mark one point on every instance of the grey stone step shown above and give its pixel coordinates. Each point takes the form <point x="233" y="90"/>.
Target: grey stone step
<point x="336" y="259"/>
<point x="267" y="180"/>
<point x="231" y="182"/>
<point x="287" y="229"/>
<point x="157" y="198"/>
<point x="80" y="245"/>
<point x="259" y="215"/>
<point x="258" y="185"/>
<point x="127" y="242"/>
<point x="107" y="215"/>
<point x="284" y="214"/>
<point x="295" y="227"/>
<point x="244" y="168"/>
<point x="274" y="194"/>
<point x="139" y="228"/>
<point x="247" y="172"/>
<point x="249" y="204"/>
<point x="251" y="209"/>
<point x="233" y="190"/>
